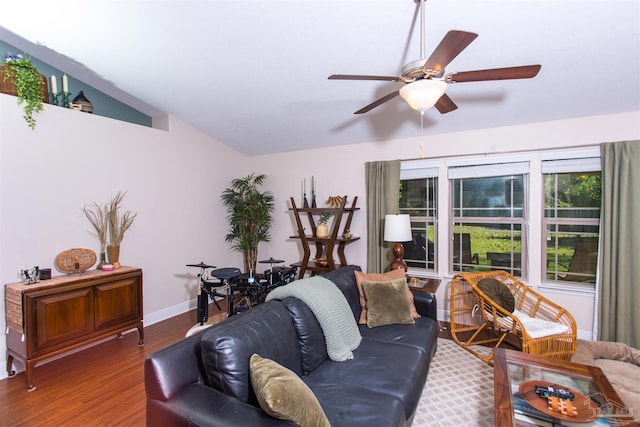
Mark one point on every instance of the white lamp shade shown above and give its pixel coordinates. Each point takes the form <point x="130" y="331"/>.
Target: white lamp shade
<point x="397" y="228"/>
<point x="423" y="94"/>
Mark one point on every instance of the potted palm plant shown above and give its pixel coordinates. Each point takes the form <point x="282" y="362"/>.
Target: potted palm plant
<point x="21" y="78"/>
<point x="249" y="213"/>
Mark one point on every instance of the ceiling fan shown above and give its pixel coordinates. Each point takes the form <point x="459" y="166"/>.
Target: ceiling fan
<point x="426" y="81"/>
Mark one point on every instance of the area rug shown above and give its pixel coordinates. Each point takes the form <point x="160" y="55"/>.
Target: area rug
<point x="459" y="390"/>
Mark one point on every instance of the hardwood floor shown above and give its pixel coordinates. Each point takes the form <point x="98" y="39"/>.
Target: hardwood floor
<point x="100" y="386"/>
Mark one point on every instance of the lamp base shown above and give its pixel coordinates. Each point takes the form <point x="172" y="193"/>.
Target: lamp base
<point x="398" y="252"/>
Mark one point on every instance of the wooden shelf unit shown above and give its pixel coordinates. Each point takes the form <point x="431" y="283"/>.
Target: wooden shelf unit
<point x="52" y="317"/>
<point x="324" y="246"/>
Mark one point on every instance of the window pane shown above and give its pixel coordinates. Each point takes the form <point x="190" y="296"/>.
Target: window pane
<point x="572" y="213"/>
<point x="488" y="219"/>
<point x="483" y="247"/>
<point x="501" y="196"/>
<point x="418" y="199"/>
<point x="420" y="252"/>
<point x="417" y="196"/>
<point x="572" y="256"/>
<point x="572" y="195"/>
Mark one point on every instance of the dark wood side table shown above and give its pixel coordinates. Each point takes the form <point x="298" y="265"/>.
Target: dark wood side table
<point x="424" y="284"/>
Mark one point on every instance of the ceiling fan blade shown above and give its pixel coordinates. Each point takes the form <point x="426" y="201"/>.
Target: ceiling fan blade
<point x="362" y="77"/>
<point x="508" y="73"/>
<point x="445" y="104"/>
<point x="451" y="45"/>
<point x="377" y="102"/>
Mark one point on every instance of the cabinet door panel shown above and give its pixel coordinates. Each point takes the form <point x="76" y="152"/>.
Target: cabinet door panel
<point x="117" y="302"/>
<point x="63" y="316"/>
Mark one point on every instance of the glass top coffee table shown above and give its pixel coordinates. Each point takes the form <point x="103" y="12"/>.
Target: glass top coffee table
<point x="537" y="391"/>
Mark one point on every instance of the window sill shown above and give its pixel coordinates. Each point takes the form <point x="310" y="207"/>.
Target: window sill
<point x="568" y="289"/>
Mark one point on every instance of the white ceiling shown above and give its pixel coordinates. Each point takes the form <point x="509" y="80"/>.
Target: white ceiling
<point x="253" y="73"/>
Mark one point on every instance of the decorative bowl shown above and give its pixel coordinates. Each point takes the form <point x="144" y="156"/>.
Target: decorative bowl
<point x="321" y="262"/>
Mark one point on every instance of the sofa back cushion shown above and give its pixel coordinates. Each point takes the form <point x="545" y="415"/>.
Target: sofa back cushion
<point x="311" y="342"/>
<point x="226" y="348"/>
<point x="345" y="279"/>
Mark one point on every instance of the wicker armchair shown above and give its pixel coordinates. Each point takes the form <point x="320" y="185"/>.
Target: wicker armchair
<point x="477" y="320"/>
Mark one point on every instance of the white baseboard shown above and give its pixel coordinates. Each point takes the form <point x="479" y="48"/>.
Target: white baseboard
<point x="166" y="313"/>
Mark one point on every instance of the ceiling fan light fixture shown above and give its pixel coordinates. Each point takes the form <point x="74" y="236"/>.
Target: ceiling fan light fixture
<point x="423" y="94"/>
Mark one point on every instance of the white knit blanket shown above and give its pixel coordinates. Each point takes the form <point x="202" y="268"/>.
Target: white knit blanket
<point x="331" y="309"/>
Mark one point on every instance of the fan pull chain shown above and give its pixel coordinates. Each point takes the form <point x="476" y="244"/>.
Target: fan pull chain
<point x="422" y="134"/>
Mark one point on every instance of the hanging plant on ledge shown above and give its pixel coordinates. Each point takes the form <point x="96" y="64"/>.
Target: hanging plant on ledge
<point x="30" y="85"/>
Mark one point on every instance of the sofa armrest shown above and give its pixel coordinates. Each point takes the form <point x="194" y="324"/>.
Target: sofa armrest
<point x="172" y="368"/>
<point x="200" y="405"/>
<point x="426" y="304"/>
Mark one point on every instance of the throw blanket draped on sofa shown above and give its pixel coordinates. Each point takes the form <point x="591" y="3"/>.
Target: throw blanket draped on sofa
<point x="331" y="309"/>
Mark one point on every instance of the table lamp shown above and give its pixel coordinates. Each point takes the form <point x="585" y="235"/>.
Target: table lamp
<point x="397" y="229"/>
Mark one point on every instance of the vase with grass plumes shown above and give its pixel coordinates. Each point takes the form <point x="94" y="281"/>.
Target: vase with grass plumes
<point x="113" y="255"/>
<point x="98" y="217"/>
<point x="119" y="222"/>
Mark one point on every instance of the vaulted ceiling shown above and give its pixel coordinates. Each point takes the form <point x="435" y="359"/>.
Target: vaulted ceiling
<point x="253" y="73"/>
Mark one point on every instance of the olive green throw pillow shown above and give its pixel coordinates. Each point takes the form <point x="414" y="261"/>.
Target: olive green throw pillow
<point x="387" y="303"/>
<point x="283" y="395"/>
<point x="381" y="277"/>
<point x="498" y="292"/>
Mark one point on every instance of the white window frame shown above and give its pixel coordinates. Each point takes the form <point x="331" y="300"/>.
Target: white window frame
<point x="509" y="166"/>
<point x="567" y="161"/>
<point x="424" y="169"/>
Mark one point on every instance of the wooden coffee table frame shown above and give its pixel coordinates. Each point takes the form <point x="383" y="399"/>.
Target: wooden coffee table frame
<point x="503" y="402"/>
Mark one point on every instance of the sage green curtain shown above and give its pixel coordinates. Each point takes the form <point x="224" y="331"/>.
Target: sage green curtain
<point x="383" y="195"/>
<point x="619" y="277"/>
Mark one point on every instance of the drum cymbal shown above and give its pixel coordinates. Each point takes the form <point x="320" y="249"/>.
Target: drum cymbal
<point x="271" y="261"/>
<point x="201" y="265"/>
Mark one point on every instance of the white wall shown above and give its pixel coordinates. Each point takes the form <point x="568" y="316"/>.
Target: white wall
<point x="173" y="181"/>
<point x="340" y="170"/>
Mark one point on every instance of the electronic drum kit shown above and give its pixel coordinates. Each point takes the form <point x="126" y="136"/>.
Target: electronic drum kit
<point x="253" y="288"/>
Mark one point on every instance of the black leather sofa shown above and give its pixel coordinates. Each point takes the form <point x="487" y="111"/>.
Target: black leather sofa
<point x="204" y="380"/>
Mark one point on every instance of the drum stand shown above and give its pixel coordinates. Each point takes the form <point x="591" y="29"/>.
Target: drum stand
<point x="204" y="291"/>
<point x="224" y="275"/>
<point x="271" y="261"/>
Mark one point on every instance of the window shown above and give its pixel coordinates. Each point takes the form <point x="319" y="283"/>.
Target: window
<point x="572" y="194"/>
<point x="418" y="196"/>
<point x="489" y="213"/>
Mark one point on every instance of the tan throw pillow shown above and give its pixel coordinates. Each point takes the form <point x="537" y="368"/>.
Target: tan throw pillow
<point x="381" y="277"/>
<point x="387" y="303"/>
<point x="283" y="395"/>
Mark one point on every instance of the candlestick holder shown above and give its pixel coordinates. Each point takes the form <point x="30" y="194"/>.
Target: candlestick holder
<point x="65" y="99"/>
<point x="305" y="204"/>
<point x="53" y="98"/>
<point x="313" y="201"/>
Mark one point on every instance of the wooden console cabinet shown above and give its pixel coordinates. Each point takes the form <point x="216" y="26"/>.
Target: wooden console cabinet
<point x="52" y="317"/>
